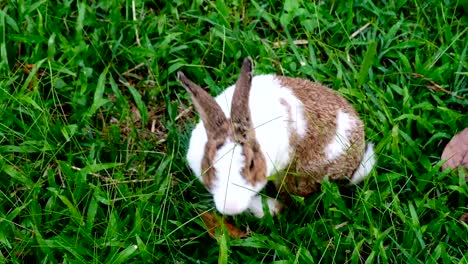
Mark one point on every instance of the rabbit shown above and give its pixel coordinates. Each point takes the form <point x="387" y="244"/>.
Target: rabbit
<point x="293" y="129"/>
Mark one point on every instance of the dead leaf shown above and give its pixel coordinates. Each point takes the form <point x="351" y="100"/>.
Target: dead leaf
<point x="456" y="151"/>
<point x="464" y="218"/>
<point x="213" y="223"/>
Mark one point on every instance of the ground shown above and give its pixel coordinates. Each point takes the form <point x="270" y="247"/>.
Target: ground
<point x="94" y="128"/>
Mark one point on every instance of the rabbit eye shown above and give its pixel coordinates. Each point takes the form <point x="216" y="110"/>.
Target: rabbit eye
<point x="252" y="164"/>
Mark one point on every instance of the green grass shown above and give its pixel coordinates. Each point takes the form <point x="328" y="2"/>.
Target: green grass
<point x="94" y="128"/>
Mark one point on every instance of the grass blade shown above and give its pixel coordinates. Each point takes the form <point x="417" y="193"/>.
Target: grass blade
<point x="140" y="104"/>
<point x="125" y="254"/>
<point x="223" y="248"/>
<point x="367" y="62"/>
<point x="98" y="100"/>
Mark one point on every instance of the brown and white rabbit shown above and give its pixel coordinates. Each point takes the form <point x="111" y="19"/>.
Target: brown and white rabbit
<point x="267" y="125"/>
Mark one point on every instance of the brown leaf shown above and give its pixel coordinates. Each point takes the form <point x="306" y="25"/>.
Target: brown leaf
<point x="213" y="223"/>
<point x="456" y="151"/>
<point x="464" y="218"/>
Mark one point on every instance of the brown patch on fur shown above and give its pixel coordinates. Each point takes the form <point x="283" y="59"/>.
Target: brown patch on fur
<point x="310" y="165"/>
<point x="211" y="147"/>
<point x="288" y="108"/>
<point x="254" y="170"/>
<point x="219" y="128"/>
<point x="208" y="171"/>
<point x="240" y="112"/>
<point x="250" y="149"/>
<point x="214" y="120"/>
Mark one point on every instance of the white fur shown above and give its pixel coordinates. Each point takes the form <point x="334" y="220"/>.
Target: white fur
<point x="270" y="118"/>
<point x="256" y="206"/>
<point x="272" y="121"/>
<point x="340" y="143"/>
<point x="197" y="148"/>
<point x="231" y="192"/>
<point x="365" y="166"/>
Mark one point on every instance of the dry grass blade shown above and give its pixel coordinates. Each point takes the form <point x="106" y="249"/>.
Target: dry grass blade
<point x="133" y="69"/>
<point x="357" y="32"/>
<point x="111" y="181"/>
<point x="134" y="19"/>
<point x="183" y="113"/>
<point x="435" y="87"/>
<point x="282" y="43"/>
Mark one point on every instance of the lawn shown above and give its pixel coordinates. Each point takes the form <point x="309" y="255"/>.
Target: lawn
<point x="94" y="128"/>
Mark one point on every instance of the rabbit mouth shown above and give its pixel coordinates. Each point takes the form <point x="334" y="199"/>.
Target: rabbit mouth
<point x="236" y="203"/>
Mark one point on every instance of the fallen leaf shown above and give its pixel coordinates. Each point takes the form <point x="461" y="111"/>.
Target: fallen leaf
<point x="464" y="218"/>
<point x="213" y="223"/>
<point x="456" y="151"/>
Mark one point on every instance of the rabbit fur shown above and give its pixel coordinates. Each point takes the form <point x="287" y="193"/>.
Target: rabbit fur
<point x="265" y="125"/>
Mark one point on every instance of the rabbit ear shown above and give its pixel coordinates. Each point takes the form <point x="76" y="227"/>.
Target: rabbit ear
<point x="214" y="120"/>
<point x="240" y="113"/>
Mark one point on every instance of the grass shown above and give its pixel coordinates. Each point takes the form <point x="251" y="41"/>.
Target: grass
<point x="94" y="128"/>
